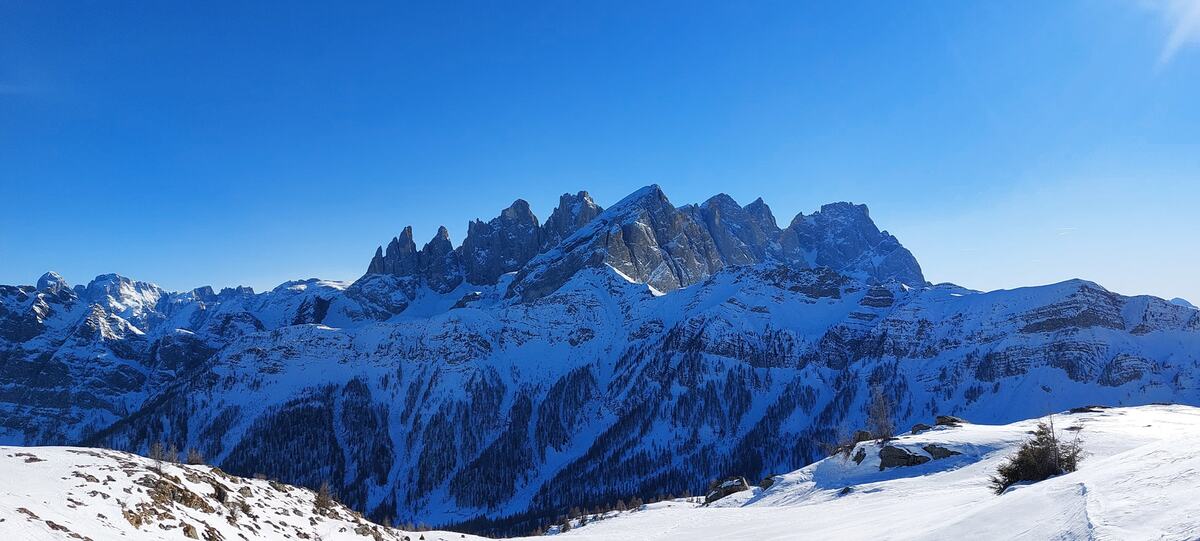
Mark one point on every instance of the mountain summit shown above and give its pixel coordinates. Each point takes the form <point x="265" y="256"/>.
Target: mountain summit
<point x="647" y="240"/>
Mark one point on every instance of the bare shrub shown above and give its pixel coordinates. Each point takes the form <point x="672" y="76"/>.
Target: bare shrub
<point x="1041" y="457"/>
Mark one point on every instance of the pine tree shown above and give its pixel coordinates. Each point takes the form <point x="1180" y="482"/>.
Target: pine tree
<point x="157" y="454"/>
<point x="324" y="498"/>
<point x="879" y="414"/>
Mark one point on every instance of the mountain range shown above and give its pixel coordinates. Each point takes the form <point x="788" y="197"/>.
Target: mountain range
<point x="638" y="350"/>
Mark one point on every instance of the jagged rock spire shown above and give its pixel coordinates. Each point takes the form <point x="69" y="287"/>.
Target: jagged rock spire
<point x="438" y="263"/>
<point x="572" y="213"/>
<point x="501" y="245"/>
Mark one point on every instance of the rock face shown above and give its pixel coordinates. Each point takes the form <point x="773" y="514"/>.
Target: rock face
<point x="650" y="241"/>
<point x="572" y="213"/>
<point x="400" y="258"/>
<point x="724" y="487"/>
<point x="500" y="246"/>
<point x="438" y="263"/>
<point x="842" y="236"/>
<point x="938" y="452"/>
<point x="891" y="456"/>
<point x="566" y="384"/>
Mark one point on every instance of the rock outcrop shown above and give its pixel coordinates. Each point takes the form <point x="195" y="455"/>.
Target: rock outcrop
<point x="501" y="245"/>
<point x="891" y="456"/>
<point x="572" y="213"/>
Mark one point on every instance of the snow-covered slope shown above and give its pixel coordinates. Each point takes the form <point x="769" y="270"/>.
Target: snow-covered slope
<point x="1140" y="480"/>
<point x="63" y="493"/>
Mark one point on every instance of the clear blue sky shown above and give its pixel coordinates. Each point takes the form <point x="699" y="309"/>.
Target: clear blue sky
<point x="1005" y="143"/>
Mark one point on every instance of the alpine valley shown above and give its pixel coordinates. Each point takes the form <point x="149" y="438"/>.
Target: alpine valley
<point x="603" y="354"/>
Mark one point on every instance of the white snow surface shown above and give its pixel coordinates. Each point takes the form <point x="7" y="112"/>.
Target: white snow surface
<point x="75" y="493"/>
<point x="1139" y="480"/>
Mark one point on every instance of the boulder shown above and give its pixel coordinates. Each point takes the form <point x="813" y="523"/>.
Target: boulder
<point x="723" y="487"/>
<point x="939" y="452"/>
<point x="920" y="427"/>
<point x="891" y="456"/>
<point x="950" y="420"/>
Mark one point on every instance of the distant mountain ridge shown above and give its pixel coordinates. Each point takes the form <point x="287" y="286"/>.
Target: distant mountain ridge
<point x="606" y="353"/>
<point x="648" y="240"/>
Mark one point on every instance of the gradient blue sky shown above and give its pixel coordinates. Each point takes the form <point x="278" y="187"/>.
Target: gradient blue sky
<point x="1005" y="143"/>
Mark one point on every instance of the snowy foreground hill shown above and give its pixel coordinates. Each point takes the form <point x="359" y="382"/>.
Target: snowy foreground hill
<point x="79" y="493"/>
<point x="640" y="350"/>
<point x="1139" y="480"/>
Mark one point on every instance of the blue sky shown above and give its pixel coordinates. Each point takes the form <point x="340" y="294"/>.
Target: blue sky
<point x="1005" y="143"/>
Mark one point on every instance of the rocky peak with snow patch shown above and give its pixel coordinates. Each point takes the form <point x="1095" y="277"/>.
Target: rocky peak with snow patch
<point x="501" y="245"/>
<point x="572" y="213"/>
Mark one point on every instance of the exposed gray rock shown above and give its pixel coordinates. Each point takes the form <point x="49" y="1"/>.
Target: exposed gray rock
<point x="949" y="420"/>
<point x="501" y="245"/>
<point x="843" y="237"/>
<point x="438" y="263"/>
<point x="723" y="487"/>
<point x="650" y="241"/>
<point x="400" y="258"/>
<point x="891" y="456"/>
<point x="878" y="297"/>
<point x="738" y="236"/>
<point x="938" y="452"/>
<point x="572" y="213"/>
<point x="761" y="214"/>
<point x="920" y="427"/>
<point x="643" y="237"/>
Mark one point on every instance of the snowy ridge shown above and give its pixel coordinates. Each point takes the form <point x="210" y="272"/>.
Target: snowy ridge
<point x="53" y="493"/>
<point x="1138" y="481"/>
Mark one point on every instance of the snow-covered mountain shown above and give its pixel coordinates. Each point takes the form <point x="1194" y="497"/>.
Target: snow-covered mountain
<point x="641" y="349"/>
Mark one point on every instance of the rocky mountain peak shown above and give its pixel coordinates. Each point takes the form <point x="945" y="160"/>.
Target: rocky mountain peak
<point x="843" y="237"/>
<point x="646" y="239"/>
<point x="501" y="245"/>
<point x="52" y="283"/>
<point x="439" y="264"/>
<point x="572" y="213"/>
<point x="400" y="259"/>
<point x="518" y="212"/>
<point x="738" y="235"/>
<point x="762" y="215"/>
